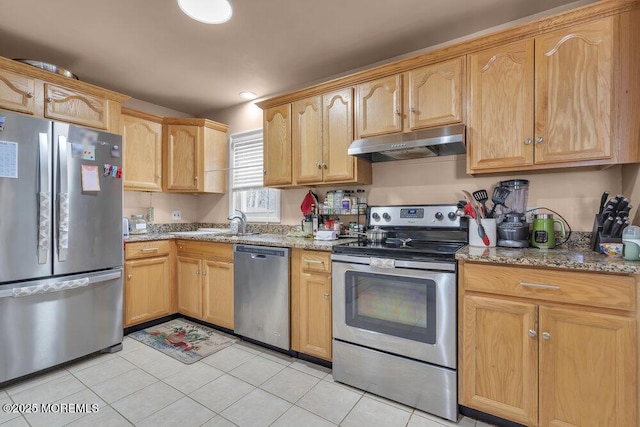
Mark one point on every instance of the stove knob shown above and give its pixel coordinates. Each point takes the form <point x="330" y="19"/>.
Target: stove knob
<point x="375" y="216"/>
<point x="452" y="216"/>
<point x="439" y="216"/>
<point x="386" y="216"/>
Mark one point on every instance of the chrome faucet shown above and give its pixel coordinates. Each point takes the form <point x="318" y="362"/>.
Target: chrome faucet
<point x="243" y="220"/>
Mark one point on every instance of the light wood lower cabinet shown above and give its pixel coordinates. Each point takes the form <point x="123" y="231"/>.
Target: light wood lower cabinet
<point x="311" y="303"/>
<point x="530" y="354"/>
<point x="205" y="281"/>
<point x="148" y="286"/>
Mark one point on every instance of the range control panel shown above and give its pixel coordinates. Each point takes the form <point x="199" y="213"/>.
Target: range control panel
<point x="414" y="216"/>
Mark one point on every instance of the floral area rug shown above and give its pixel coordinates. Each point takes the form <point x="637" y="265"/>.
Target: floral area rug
<point x="185" y="341"/>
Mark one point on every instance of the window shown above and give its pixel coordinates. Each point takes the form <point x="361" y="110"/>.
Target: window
<point x="246" y="179"/>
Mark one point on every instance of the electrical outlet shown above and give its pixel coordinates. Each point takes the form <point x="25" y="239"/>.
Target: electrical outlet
<point x="176" y="215"/>
<point x="530" y="213"/>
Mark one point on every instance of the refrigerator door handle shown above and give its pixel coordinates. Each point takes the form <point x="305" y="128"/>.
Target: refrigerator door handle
<point x="44" y="200"/>
<point x="63" y="202"/>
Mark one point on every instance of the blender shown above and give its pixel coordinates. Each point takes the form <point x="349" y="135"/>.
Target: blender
<point x="513" y="230"/>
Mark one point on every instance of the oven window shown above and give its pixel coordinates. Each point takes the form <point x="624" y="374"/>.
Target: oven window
<point x="393" y="305"/>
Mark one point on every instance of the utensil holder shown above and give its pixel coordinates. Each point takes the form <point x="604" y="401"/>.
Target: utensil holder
<point x="597" y="237"/>
<point x="490" y="229"/>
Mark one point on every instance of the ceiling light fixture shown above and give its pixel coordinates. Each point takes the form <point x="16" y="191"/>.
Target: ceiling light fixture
<point x="207" y="11"/>
<point x="248" y="95"/>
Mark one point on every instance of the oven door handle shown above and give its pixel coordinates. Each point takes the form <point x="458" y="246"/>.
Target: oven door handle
<point x="398" y="263"/>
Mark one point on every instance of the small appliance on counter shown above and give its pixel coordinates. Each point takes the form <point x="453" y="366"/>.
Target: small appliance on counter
<point x="137" y="225"/>
<point x="513" y="231"/>
<point x="543" y="233"/>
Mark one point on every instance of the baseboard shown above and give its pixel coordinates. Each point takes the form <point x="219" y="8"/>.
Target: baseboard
<point x="487" y="418"/>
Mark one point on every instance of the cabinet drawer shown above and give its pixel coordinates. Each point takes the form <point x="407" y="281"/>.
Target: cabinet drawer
<point x="315" y="261"/>
<point x="218" y="250"/>
<point x="146" y="249"/>
<point x="573" y="287"/>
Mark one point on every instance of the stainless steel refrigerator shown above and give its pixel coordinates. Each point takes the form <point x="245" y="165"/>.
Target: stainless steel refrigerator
<point x="61" y="248"/>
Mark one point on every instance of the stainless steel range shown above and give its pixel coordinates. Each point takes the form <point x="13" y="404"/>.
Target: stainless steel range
<point x="394" y="308"/>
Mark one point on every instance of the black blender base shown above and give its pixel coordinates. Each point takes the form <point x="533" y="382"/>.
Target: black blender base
<point x="513" y="243"/>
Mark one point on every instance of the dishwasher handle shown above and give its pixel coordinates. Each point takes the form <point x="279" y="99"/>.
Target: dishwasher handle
<point x="258" y="256"/>
<point x="261" y="252"/>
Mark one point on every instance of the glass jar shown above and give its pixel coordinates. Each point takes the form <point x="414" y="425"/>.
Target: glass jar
<point x="137" y="224"/>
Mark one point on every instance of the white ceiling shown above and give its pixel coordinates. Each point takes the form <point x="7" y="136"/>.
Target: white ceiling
<point x="149" y="50"/>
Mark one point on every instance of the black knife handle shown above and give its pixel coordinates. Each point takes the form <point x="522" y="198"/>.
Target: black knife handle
<point x="606" y="227"/>
<point x="603" y="201"/>
<point x="616" y="229"/>
<point x="623" y="204"/>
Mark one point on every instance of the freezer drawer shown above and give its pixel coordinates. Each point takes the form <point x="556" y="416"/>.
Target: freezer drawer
<point x="52" y="321"/>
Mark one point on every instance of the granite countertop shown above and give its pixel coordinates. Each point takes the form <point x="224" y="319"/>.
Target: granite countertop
<point x="277" y="240"/>
<point x="566" y="258"/>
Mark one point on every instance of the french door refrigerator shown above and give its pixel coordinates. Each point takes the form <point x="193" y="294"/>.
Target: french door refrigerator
<point x="61" y="249"/>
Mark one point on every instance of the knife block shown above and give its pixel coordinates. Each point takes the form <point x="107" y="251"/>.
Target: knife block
<point x="597" y="237"/>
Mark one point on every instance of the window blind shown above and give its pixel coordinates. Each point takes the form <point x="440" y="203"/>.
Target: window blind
<point x="247" y="163"/>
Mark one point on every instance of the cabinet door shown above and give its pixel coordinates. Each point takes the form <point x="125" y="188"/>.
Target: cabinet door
<point x="277" y="146"/>
<point x="500" y="115"/>
<point x="307" y="140"/>
<point x="75" y="107"/>
<point x="337" y="135"/>
<point x="189" y="286"/>
<point x="218" y="293"/>
<point x="499" y="358"/>
<point x="588" y="369"/>
<point x="147" y="290"/>
<point x="435" y="94"/>
<point x="574" y="77"/>
<point x="315" y="314"/>
<point x="16" y="92"/>
<point x="183" y="168"/>
<point x="142" y="154"/>
<point x="379" y="106"/>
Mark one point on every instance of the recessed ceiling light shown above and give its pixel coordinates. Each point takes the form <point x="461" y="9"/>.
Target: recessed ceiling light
<point x="248" y="95"/>
<point x="207" y="11"/>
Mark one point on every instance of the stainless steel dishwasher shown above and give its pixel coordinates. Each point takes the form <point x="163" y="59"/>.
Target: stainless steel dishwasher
<point x="261" y="294"/>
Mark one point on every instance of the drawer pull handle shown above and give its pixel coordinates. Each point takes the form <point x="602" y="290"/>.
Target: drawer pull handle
<point x="150" y="250"/>
<point x="546" y="335"/>
<point x="532" y="333"/>
<point x="540" y="286"/>
<point x="311" y="261"/>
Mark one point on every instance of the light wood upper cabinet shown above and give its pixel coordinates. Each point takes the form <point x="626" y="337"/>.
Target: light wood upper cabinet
<point x="322" y="133"/>
<point x="543" y="347"/>
<point x="311" y="303"/>
<point x="195" y="155"/>
<point x="574" y="78"/>
<point x="277" y="146"/>
<point x="74" y="106"/>
<point x="500" y="115"/>
<point x="436" y="94"/>
<point x="307" y="140"/>
<point x="545" y="102"/>
<point x="17" y="92"/>
<point x="379" y="106"/>
<point x="149" y="285"/>
<point x="142" y="141"/>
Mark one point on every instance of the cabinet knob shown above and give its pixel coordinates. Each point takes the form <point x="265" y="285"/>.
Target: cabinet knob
<point x="539" y="140"/>
<point x="264" y="171"/>
<point x="413" y="110"/>
<point x="49" y="99"/>
<point x="397" y="111"/>
<point x="197" y="272"/>
<point x="532" y="333"/>
<point x="204" y="273"/>
<point x="546" y="335"/>
<point x="318" y="165"/>
<point x="527" y="141"/>
<point x="195" y="178"/>
<point x="326" y="295"/>
<point x="129" y="276"/>
<point x="324" y="165"/>
<point x="29" y="94"/>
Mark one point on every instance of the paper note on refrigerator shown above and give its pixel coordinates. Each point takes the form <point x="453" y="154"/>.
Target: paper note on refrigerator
<point x="8" y="159"/>
<point x="90" y="178"/>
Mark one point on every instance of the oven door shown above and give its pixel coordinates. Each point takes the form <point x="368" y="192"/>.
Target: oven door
<point x="405" y="311"/>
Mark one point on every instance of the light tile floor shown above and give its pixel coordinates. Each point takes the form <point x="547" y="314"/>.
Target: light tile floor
<point x="241" y="385"/>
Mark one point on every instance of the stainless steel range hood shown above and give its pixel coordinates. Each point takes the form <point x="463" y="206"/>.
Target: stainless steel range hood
<point x="441" y="141"/>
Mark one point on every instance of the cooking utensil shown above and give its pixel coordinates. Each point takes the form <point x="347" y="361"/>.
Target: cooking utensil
<point x="49" y="67"/>
<point x="476" y="207"/>
<point x="498" y="197"/>
<point x="606" y="227"/>
<point x="376" y="235"/>
<point x="623" y="204"/>
<point x="482" y="233"/>
<point x="482" y="197"/>
<point x="616" y="229"/>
